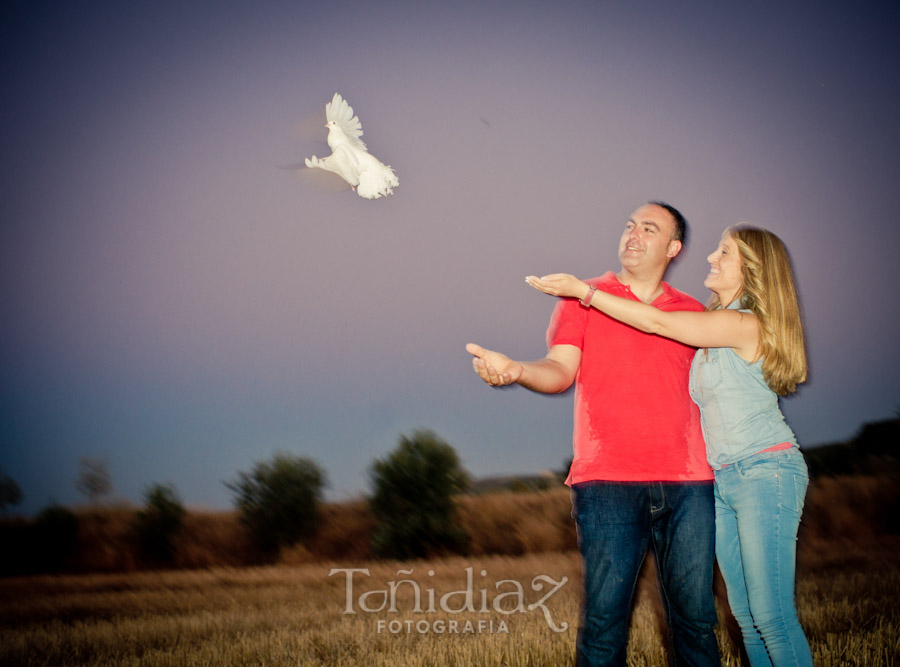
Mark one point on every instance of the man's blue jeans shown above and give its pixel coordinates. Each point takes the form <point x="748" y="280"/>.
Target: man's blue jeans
<point x="758" y="505"/>
<point x="616" y="523"/>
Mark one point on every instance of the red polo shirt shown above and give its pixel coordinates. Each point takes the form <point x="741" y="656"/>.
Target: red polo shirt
<point x="634" y="419"/>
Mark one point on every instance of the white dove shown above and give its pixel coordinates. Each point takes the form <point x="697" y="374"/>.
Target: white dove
<point x="349" y="157"/>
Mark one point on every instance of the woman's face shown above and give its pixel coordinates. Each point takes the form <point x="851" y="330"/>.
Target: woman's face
<point x="725" y="277"/>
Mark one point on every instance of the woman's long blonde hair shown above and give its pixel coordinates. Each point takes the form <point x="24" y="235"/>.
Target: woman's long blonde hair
<point x="768" y="290"/>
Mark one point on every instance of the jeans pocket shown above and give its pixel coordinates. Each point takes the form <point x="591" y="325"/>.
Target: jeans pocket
<point x="759" y="467"/>
<point x="792" y="491"/>
<point x="801" y="482"/>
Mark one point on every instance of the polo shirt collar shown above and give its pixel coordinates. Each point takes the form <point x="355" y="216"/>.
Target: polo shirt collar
<point x="610" y="279"/>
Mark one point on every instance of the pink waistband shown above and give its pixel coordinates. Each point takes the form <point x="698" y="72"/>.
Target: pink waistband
<point x="773" y="448"/>
<point x="778" y="447"/>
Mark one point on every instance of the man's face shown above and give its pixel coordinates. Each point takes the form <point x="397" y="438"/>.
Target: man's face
<point x="646" y="243"/>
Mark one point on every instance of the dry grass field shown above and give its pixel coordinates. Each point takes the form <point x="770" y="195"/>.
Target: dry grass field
<point x="328" y="603"/>
<point x="521" y="611"/>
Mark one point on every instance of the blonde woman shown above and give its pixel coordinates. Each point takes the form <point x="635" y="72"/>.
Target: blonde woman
<point x="751" y="351"/>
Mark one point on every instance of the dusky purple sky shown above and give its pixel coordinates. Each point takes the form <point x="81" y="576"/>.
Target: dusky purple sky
<point x="178" y="304"/>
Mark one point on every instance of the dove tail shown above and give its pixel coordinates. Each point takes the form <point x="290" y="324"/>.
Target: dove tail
<point x="377" y="182"/>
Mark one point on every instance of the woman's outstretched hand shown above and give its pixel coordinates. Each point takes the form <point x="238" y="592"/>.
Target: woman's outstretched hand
<point x="559" y="284"/>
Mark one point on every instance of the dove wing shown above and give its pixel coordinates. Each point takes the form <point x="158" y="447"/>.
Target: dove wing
<point x="342" y="113"/>
<point x="346" y="164"/>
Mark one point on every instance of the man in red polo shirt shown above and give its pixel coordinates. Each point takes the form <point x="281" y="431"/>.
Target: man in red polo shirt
<point x="639" y="476"/>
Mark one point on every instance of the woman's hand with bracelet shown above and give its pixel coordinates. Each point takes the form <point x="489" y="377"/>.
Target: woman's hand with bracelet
<point x="560" y="284"/>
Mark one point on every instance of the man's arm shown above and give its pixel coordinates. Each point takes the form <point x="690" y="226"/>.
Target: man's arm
<point x="551" y="375"/>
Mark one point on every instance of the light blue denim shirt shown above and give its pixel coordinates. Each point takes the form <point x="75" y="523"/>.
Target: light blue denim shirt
<point x="738" y="411"/>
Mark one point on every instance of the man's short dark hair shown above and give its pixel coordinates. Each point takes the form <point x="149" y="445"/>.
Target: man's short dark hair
<point x="680" y="222"/>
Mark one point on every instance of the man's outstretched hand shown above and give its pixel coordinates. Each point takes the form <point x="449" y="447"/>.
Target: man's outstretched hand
<point x="494" y="368"/>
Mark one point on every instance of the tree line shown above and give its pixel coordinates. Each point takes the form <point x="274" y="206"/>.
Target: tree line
<point x="279" y="504"/>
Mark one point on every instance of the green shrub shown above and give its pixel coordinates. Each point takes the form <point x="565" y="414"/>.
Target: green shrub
<point x="157" y="525"/>
<point x="279" y="501"/>
<point x="54" y="540"/>
<point x="413" y="500"/>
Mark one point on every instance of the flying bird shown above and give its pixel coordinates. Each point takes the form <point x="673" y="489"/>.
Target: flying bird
<point x="349" y="157"/>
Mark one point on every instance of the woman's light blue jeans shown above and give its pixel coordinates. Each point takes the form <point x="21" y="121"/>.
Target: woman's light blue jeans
<point x="758" y="505"/>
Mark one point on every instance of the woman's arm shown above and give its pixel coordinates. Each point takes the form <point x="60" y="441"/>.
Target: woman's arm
<point x="717" y="328"/>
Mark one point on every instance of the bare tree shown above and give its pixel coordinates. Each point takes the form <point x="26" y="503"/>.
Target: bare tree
<point x="93" y="479"/>
<point x="10" y="493"/>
